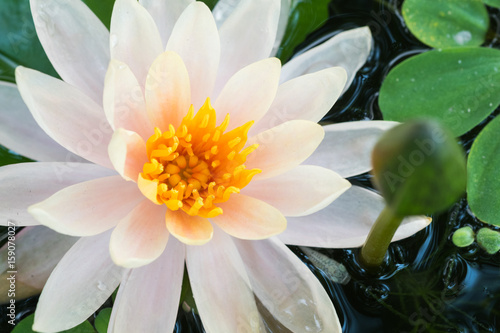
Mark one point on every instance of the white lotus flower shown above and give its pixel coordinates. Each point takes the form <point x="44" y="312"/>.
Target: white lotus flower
<point x="169" y="186"/>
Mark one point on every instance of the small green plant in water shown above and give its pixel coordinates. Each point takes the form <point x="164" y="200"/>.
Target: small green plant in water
<point x="420" y="169"/>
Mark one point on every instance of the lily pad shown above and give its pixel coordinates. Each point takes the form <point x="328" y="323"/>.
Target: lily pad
<point x="305" y="17"/>
<point x="492" y="3"/>
<point x="463" y="237"/>
<point x="25" y="325"/>
<point x="445" y="23"/>
<point x="102" y="8"/>
<point x="489" y="240"/>
<point x="459" y="87"/>
<point x="483" y="184"/>
<point x="101" y="322"/>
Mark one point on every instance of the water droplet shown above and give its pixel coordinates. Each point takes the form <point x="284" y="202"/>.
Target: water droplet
<point x="101" y="286"/>
<point x="412" y="80"/>
<point x="459" y="61"/>
<point x="113" y="39"/>
<point x="468" y="110"/>
<point x="491" y="104"/>
<point x="462" y="37"/>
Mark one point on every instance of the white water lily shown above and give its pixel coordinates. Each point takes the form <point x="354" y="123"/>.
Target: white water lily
<point x="156" y="198"/>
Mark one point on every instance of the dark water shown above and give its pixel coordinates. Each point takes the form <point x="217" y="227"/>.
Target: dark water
<point x="427" y="284"/>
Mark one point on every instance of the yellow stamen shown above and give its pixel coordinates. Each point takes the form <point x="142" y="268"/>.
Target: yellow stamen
<point x="197" y="165"/>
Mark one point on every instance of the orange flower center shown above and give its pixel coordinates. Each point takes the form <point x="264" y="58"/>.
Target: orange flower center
<point x="196" y="166"/>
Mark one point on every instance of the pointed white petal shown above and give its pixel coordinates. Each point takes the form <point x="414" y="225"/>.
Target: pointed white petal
<point x="20" y="132"/>
<point x="127" y="152"/>
<point x="24" y="184"/>
<point x="82" y="281"/>
<point x="216" y="271"/>
<point x="348" y="49"/>
<point x="287" y="288"/>
<point x="347" y="147"/>
<point x="346" y="222"/>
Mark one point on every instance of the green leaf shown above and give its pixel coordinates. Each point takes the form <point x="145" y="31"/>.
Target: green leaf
<point x="445" y="23"/>
<point x="25" y="325"/>
<point x="305" y="17"/>
<point x="102" y="9"/>
<point x="463" y="237"/>
<point x="492" y="3"/>
<point x="8" y="157"/>
<point x="419" y="168"/>
<point x="101" y="322"/>
<point x="210" y="3"/>
<point x="483" y="184"/>
<point x="459" y="87"/>
<point x="489" y="240"/>
<point x="19" y="43"/>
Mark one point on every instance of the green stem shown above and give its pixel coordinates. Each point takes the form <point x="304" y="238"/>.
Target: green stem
<point x="380" y="236"/>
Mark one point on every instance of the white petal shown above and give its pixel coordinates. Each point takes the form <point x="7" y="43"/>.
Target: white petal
<point x="347" y="147"/>
<point x="247" y="36"/>
<point x="287" y="288"/>
<point x="221" y="287"/>
<point x="196" y="39"/>
<point x="191" y="230"/>
<point x="20" y="132"/>
<point x="88" y="208"/>
<point x="134" y="37"/>
<point x="124" y="102"/>
<point x="283" y="147"/>
<point x="301" y="191"/>
<point x="346" y="222"/>
<point x="165" y="13"/>
<point x="24" y="184"/>
<point x="307" y="97"/>
<point x="168" y="93"/>
<point x="66" y="114"/>
<point x="223" y="9"/>
<point x="249" y="218"/>
<point x="348" y="49"/>
<point x="148" y="297"/>
<point x="82" y="281"/>
<point x="282" y="24"/>
<point x="76" y="42"/>
<point x="38" y="250"/>
<point x="140" y="237"/>
<point x="127" y="152"/>
<point x="250" y="92"/>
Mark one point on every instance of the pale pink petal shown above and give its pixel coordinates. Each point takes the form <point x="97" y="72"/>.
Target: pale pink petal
<point x="127" y="152"/>
<point x="134" y="37"/>
<point x="150" y="295"/>
<point x="282" y="24"/>
<point x="140" y="237"/>
<point x="261" y="79"/>
<point x="346" y="222"/>
<point x="76" y="42"/>
<point x="301" y="191"/>
<point x="168" y="94"/>
<point x="191" y="230"/>
<point x="307" y="97"/>
<point x="37" y="251"/>
<point x="66" y="114"/>
<point x="347" y="147"/>
<point x="348" y="49"/>
<point x="249" y="218"/>
<point x="247" y="36"/>
<point x="20" y="132"/>
<point x="283" y="147"/>
<point x="88" y="208"/>
<point x="223" y="9"/>
<point x="196" y="39"/>
<point x="287" y="288"/>
<point x="221" y="288"/>
<point x="165" y="13"/>
<point x="82" y="281"/>
<point x="24" y="184"/>
<point x="124" y="102"/>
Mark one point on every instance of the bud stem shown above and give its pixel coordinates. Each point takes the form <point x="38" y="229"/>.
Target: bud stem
<point x="380" y="236"/>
